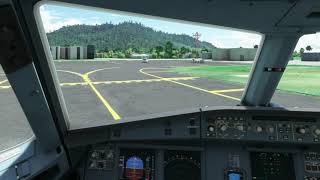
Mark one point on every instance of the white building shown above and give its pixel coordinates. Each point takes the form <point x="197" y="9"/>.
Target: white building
<point x="73" y="52"/>
<point x="55" y="52"/>
<point x="234" y="54"/>
<point x="139" y="56"/>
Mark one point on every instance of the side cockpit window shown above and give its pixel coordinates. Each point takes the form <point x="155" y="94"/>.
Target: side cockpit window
<point x="299" y="87"/>
<point x="14" y="127"/>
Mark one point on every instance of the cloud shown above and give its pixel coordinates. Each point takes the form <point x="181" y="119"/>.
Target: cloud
<point x="242" y="39"/>
<point x="312" y="39"/>
<point x="115" y="15"/>
<point x="247" y="40"/>
<point x="217" y="43"/>
<point x="53" y="20"/>
<point x="235" y="39"/>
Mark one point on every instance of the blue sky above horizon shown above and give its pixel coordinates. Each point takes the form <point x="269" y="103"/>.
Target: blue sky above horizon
<point x="55" y="17"/>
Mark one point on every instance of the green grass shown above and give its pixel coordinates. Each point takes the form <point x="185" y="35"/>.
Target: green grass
<point x="298" y="79"/>
<point x="296" y="58"/>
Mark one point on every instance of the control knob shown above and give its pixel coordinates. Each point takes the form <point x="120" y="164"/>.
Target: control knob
<point x="270" y="129"/>
<point x="92" y="165"/>
<point x="317" y="132"/>
<point x="110" y="155"/>
<point x="94" y="154"/>
<point x="240" y="127"/>
<point x="223" y="127"/>
<point x="259" y="129"/>
<point x="301" y="130"/>
<point x="210" y="128"/>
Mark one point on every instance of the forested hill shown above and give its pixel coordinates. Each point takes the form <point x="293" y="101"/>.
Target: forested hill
<point x="121" y="36"/>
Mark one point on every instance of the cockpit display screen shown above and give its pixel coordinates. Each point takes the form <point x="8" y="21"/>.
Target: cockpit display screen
<point x="137" y="164"/>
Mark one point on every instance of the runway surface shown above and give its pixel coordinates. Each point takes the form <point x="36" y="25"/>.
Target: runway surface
<point x="105" y="91"/>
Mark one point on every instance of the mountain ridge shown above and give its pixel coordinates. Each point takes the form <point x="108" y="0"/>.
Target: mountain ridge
<point x="121" y="36"/>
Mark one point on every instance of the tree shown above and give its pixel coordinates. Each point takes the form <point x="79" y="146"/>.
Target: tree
<point x="159" y="49"/>
<point x="121" y="36"/>
<point x="295" y="54"/>
<point x="255" y="46"/>
<point x="128" y="52"/>
<point x="161" y="55"/>
<point x="309" y="48"/>
<point x="184" y="50"/>
<point x="301" y="51"/>
<point x="204" y="50"/>
<point x="168" y="49"/>
<point x="119" y="54"/>
<point x="153" y="53"/>
<point x="110" y="54"/>
<point x="195" y="53"/>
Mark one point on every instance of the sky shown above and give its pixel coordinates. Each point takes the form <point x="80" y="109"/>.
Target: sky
<point x="55" y="17"/>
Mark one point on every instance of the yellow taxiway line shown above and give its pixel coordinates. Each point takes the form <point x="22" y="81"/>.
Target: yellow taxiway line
<point x="187" y="85"/>
<point x="127" y="81"/>
<point x="87" y="80"/>
<point x="227" y="90"/>
<point x="118" y="82"/>
<point x="1" y="82"/>
<point x="114" y="114"/>
<point x="5" y="87"/>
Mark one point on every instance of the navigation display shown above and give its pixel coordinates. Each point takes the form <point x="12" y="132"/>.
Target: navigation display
<point x="272" y="166"/>
<point x="182" y="165"/>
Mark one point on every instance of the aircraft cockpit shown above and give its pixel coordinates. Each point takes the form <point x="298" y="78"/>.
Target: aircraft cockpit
<point x="159" y="90"/>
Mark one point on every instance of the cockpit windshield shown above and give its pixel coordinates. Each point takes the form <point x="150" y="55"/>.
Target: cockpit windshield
<point x="112" y="65"/>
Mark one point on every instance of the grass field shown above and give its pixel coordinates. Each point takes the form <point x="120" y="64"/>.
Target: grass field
<point x="298" y="79"/>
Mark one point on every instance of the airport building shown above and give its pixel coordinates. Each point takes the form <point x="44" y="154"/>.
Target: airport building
<point x="206" y="55"/>
<point x="55" y="52"/>
<point x="63" y="53"/>
<point x="310" y="56"/>
<point x="73" y="52"/>
<point x="234" y="54"/>
<point x="139" y="56"/>
<point x="89" y="52"/>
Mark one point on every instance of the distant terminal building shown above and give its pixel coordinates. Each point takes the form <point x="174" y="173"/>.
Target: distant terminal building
<point x="310" y="56"/>
<point x="63" y="53"/>
<point x="139" y="56"/>
<point x="89" y="52"/>
<point x="55" y="51"/>
<point x="206" y="55"/>
<point x="234" y="54"/>
<point x="73" y="52"/>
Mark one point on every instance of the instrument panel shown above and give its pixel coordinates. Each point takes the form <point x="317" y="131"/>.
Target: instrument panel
<point x="262" y="128"/>
<point x="215" y="162"/>
<point x="222" y="145"/>
<point x="101" y="158"/>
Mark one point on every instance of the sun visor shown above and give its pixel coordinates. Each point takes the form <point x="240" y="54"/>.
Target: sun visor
<point x="304" y="15"/>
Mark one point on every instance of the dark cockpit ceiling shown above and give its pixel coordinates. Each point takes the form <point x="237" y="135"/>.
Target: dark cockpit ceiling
<point x="264" y="16"/>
